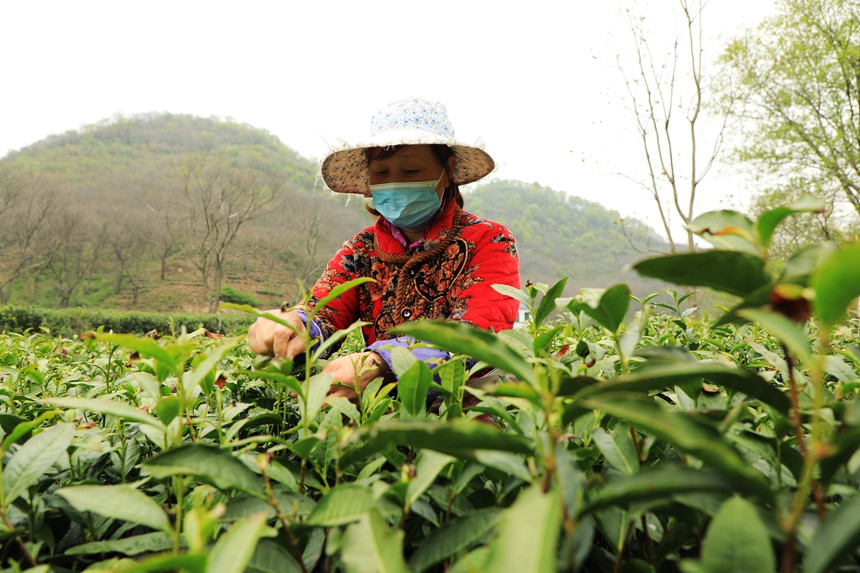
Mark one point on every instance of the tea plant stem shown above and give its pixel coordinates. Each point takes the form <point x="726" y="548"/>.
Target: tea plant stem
<point x="178" y="488"/>
<point x="21" y="544"/>
<point x="273" y="501"/>
<point x="621" y="546"/>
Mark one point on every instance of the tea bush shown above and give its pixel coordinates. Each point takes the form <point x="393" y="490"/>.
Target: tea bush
<point x="660" y="443"/>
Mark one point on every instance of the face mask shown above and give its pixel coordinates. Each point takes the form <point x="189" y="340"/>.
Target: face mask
<point x="407" y="205"/>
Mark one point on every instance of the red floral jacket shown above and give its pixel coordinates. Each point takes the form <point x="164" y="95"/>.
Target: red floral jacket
<point x="448" y="276"/>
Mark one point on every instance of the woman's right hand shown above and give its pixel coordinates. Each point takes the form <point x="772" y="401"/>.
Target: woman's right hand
<point x="269" y="338"/>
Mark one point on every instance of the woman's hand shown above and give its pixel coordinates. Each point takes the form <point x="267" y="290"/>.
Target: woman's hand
<point x="355" y="371"/>
<point x="270" y="338"/>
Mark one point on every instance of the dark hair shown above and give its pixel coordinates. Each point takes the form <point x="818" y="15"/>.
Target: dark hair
<point x="440" y="151"/>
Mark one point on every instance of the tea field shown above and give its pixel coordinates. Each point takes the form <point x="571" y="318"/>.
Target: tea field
<point x="623" y="434"/>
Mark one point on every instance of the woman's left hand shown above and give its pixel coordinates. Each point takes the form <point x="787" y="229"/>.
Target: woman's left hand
<point x="355" y="370"/>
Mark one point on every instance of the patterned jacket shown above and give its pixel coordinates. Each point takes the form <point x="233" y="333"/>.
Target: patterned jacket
<point x="448" y="276"/>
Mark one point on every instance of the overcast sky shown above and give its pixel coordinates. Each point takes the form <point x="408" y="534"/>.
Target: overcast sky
<point x="535" y="81"/>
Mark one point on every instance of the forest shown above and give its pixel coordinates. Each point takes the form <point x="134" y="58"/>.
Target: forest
<point x="162" y="212"/>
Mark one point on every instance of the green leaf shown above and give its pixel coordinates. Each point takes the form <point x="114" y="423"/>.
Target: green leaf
<point x="270" y="557"/>
<point x="836" y="283"/>
<point x="459" y="338"/>
<point x="663" y="376"/>
<point x="737" y="541"/>
<point x="144" y="346"/>
<point x="135" y="545"/>
<point x="234" y="549"/>
<point x="726" y="229"/>
<point x="370" y="547"/>
<point x="783" y="328"/>
<point x="687" y="434"/>
<point x="343" y="504"/>
<point x="109" y="407"/>
<point x="118" y="502"/>
<point x="727" y="271"/>
<point x="207" y="464"/>
<point x="663" y="481"/>
<point x="412" y="389"/>
<point x="318" y="387"/>
<point x="167" y="408"/>
<point x="459" y="438"/>
<point x="208" y="365"/>
<point x="837" y="537"/>
<point x="547" y="303"/>
<point x="618" y="448"/>
<point x="527" y="534"/>
<point x="33" y="459"/>
<point x="336" y="292"/>
<point x="427" y="467"/>
<point x="23" y="428"/>
<point x="514" y="293"/>
<point x="454" y="537"/>
<point x="186" y="562"/>
<point x="611" y="308"/>
<point x="769" y="220"/>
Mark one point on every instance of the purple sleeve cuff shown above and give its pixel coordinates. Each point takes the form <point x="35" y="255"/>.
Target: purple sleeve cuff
<point x="430" y="356"/>
<point x="314" y="328"/>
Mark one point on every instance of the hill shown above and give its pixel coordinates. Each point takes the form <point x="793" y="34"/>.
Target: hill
<point x="160" y="211"/>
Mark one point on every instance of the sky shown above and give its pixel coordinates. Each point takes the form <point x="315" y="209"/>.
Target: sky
<point x="536" y="83"/>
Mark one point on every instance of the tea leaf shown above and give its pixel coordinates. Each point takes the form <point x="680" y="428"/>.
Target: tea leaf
<point x="686" y="434"/>
<point x="726" y="229"/>
<point x="234" y="549"/>
<point x="737" y="541"/>
<point x="370" y="547"/>
<point x="135" y="545"/>
<point x="547" y="303"/>
<point x="459" y="438"/>
<point x="205" y="368"/>
<point x="118" y="502"/>
<point x="191" y="562"/>
<point x="167" y="408"/>
<point x="343" y="504"/>
<point x="836" y="283"/>
<point x="770" y="219"/>
<point x="663" y="376"/>
<point x="144" y="346"/>
<point x="837" y="537"/>
<point x="661" y="482"/>
<point x="270" y="557"/>
<point x="427" y="467"/>
<point x="454" y="537"/>
<point x="611" y="308"/>
<point x="787" y="331"/>
<point x="110" y="407"/>
<point x="727" y="271"/>
<point x="207" y="464"/>
<point x="527" y="534"/>
<point x="412" y="387"/>
<point x="618" y="448"/>
<point x="481" y="345"/>
<point x="33" y="459"/>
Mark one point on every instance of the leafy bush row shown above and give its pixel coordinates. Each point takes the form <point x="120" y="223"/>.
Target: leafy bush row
<point x="67" y="322"/>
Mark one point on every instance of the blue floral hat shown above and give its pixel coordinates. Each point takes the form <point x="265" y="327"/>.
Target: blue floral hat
<point x="410" y="121"/>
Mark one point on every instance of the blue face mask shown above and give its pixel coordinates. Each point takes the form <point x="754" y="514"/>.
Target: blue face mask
<point x="407" y="205"/>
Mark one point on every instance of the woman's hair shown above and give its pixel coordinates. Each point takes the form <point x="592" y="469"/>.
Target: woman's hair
<point x="440" y="151"/>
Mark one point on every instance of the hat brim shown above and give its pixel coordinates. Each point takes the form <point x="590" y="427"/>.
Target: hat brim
<point x="345" y="170"/>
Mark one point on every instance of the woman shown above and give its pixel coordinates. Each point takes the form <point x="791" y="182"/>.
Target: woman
<point x="428" y="257"/>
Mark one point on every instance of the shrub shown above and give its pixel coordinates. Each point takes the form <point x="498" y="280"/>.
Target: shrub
<point x="230" y="294"/>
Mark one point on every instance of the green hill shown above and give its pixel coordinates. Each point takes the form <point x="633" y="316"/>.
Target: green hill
<point x="156" y="211"/>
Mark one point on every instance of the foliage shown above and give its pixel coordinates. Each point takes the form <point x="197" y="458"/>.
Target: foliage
<point x="68" y="322"/>
<point x="138" y="225"/>
<point x="797" y="73"/>
<point x="230" y="294"/>
<point x="658" y="443"/>
<point x="559" y="234"/>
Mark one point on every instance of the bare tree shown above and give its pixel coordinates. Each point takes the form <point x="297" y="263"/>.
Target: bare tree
<point x="675" y="158"/>
<point x="218" y="200"/>
<point x="25" y="206"/>
<point x="73" y="247"/>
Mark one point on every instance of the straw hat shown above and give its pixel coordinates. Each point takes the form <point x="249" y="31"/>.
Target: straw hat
<point x="405" y="122"/>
